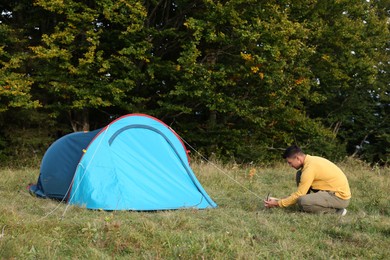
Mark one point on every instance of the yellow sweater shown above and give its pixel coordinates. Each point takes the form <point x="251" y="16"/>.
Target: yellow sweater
<point x="319" y="174"/>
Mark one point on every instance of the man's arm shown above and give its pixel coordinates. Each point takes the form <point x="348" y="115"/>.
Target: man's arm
<point x="307" y="178"/>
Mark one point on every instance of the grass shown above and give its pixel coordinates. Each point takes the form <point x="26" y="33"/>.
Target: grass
<point x="240" y="228"/>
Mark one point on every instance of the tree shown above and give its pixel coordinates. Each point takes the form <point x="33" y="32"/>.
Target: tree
<point x="240" y="79"/>
<point x="92" y="57"/>
<point x="351" y="42"/>
<point x="15" y="83"/>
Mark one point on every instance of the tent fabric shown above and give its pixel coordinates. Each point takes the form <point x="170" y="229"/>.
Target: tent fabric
<point x="59" y="163"/>
<point x="135" y="163"/>
<point x="138" y="163"/>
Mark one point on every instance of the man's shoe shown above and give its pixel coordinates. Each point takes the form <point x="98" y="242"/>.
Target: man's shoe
<point x="342" y="212"/>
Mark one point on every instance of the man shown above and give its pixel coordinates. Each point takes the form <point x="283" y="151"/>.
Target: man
<point x="322" y="186"/>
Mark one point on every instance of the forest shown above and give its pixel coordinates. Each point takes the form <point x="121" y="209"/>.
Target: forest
<point x="238" y="80"/>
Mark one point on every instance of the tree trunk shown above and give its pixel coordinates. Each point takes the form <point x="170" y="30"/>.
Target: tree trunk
<point x="79" y="120"/>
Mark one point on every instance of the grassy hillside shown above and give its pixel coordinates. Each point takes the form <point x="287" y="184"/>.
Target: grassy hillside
<point x="240" y="228"/>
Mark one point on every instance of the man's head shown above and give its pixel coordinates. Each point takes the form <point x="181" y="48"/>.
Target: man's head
<point x="294" y="156"/>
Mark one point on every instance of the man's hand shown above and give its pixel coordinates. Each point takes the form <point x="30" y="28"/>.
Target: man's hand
<point x="271" y="203"/>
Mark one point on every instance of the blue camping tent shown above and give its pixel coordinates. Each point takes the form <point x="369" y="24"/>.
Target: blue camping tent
<point x="135" y="163"/>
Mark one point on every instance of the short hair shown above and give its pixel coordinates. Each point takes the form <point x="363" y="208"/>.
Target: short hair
<point x="292" y="151"/>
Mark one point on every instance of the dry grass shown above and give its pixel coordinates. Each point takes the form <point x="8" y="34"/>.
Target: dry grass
<point x="238" y="229"/>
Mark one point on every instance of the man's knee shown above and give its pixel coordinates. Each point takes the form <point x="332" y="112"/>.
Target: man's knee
<point x="300" y="201"/>
<point x="304" y="203"/>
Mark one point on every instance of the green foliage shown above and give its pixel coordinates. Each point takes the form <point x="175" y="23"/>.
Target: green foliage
<point x="240" y="79"/>
<point x="15" y="85"/>
<point x="26" y="135"/>
<point x="238" y="229"/>
<point x="349" y="65"/>
<point x="80" y="68"/>
<point x="244" y="72"/>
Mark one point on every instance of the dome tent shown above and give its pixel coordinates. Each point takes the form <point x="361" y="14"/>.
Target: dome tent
<point x="135" y="163"/>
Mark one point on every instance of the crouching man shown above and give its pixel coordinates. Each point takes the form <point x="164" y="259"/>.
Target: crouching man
<point x="322" y="186"/>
